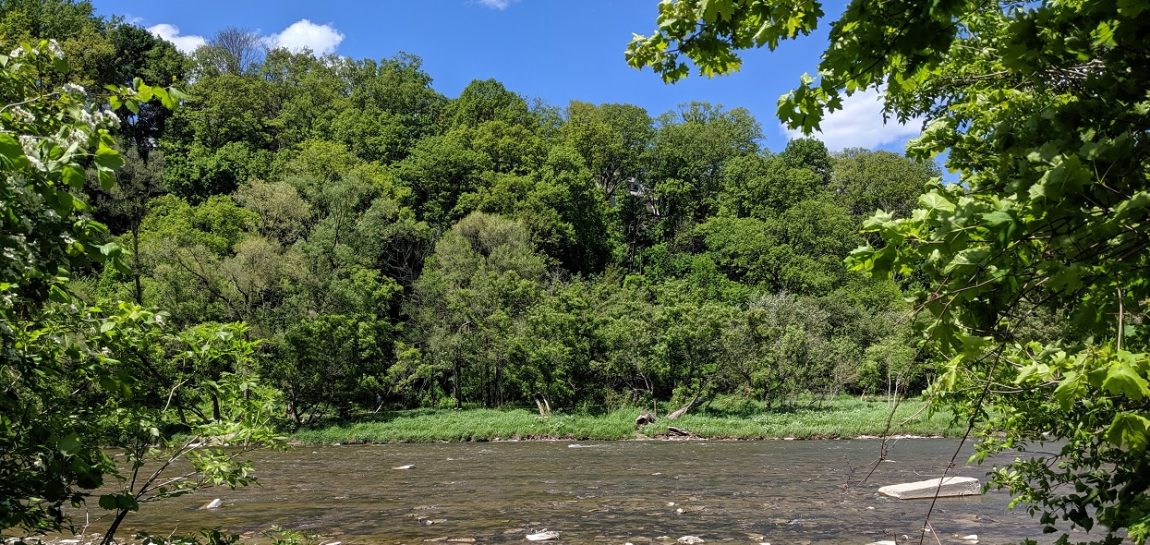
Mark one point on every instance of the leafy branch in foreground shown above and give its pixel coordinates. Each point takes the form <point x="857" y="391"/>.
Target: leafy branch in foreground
<point x="79" y="378"/>
<point x="1043" y="109"/>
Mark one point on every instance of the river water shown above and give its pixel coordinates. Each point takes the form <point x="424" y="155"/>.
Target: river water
<point x="782" y="492"/>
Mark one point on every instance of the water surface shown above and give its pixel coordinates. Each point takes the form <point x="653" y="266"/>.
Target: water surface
<point x="782" y="492"/>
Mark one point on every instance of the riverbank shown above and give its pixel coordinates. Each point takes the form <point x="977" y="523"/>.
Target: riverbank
<point x="837" y="418"/>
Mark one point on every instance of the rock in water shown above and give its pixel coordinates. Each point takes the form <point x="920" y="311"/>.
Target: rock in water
<point x="690" y="540"/>
<point x="545" y="535"/>
<point x="951" y="486"/>
<point x="214" y="504"/>
<point x="408" y="466"/>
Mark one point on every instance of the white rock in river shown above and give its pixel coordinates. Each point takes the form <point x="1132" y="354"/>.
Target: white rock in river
<point x="690" y="540"/>
<point x="951" y="486"/>
<point x="408" y="466"/>
<point x="545" y="535"/>
<point x="214" y="504"/>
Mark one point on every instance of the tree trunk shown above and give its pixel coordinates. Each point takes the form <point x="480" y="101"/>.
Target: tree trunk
<point x="136" y="259"/>
<point x="111" y="533"/>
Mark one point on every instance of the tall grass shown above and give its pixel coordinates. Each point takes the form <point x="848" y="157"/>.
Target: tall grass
<point x="726" y="419"/>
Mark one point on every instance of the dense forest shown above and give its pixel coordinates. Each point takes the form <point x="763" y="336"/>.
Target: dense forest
<point x="393" y="247"/>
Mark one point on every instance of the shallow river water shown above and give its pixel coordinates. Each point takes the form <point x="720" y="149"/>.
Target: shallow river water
<point x="640" y="492"/>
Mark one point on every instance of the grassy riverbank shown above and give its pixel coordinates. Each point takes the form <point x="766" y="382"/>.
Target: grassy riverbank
<point x="841" y="417"/>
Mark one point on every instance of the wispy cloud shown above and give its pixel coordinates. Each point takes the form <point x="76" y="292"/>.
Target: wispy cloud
<point x="304" y="34"/>
<point x="497" y="4"/>
<point x="186" y="43"/>
<point x="860" y="124"/>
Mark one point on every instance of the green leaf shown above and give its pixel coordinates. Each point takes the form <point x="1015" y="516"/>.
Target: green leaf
<point x="1068" y="390"/>
<point x="933" y="201"/>
<point x="717" y="10"/>
<point x="73" y="176"/>
<point x="1121" y="379"/>
<point x="69" y="444"/>
<point x="106" y="156"/>
<point x="997" y="218"/>
<point x="1066" y="177"/>
<point x="1103" y="35"/>
<point x="11" y="151"/>
<point x="1129" y="430"/>
<point x="109" y="249"/>
<point x="107" y="177"/>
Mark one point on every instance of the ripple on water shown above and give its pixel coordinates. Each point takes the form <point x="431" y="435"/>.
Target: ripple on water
<point x="631" y="491"/>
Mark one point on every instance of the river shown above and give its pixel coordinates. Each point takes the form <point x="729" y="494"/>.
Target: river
<point x="781" y="492"/>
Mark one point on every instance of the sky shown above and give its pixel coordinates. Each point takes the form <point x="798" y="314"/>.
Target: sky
<point x="553" y="50"/>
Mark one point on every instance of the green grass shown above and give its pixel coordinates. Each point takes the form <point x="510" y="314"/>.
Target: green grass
<point x="840" y="417"/>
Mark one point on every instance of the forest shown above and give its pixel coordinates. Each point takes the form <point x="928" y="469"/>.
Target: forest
<point x="225" y="246"/>
<point x="389" y="246"/>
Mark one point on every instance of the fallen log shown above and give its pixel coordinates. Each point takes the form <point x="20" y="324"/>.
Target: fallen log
<point x="698" y="400"/>
<point x="677" y="432"/>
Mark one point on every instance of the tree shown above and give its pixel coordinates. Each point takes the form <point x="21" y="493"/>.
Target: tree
<point x="611" y="138"/>
<point x="488" y="100"/>
<point x="477" y="286"/>
<point x="763" y="187"/>
<point x="1043" y="110"/>
<point x="233" y="50"/>
<point x="686" y="157"/>
<point x="439" y="170"/>
<point x="865" y="181"/>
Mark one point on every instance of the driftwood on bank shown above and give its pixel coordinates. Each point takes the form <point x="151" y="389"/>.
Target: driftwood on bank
<point x="698" y="400"/>
<point x="672" y="431"/>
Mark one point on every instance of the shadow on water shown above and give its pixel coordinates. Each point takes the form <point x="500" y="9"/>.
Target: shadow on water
<point x="617" y="492"/>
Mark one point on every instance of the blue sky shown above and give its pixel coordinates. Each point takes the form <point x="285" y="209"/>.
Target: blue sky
<point x="554" y="50"/>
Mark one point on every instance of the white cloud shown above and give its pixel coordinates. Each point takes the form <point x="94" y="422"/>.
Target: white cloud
<point x="304" y="34"/>
<point x="497" y="4"/>
<point x="171" y="33"/>
<point x="859" y="124"/>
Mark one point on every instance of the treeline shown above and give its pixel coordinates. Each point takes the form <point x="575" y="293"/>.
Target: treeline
<point x="393" y="247"/>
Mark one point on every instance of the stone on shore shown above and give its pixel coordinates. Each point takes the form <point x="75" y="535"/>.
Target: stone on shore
<point x="951" y="486"/>
<point x="690" y="540"/>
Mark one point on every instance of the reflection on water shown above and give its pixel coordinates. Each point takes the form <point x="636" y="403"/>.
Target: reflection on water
<point x="632" y="491"/>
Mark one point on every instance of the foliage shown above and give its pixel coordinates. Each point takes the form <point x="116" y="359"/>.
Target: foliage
<point x="79" y="378"/>
<point x="1042" y="108"/>
<point x="389" y="248"/>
